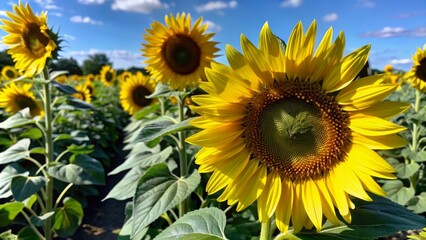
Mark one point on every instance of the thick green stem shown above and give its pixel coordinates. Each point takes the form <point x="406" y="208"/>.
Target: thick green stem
<point x="265" y="230"/>
<point x="49" y="151"/>
<point x="184" y="205"/>
<point x="415" y="137"/>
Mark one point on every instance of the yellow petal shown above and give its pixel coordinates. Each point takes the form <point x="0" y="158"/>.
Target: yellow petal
<point x="285" y="205"/>
<point x="224" y="134"/>
<point x="373" y="126"/>
<point x="216" y="182"/>
<point x="269" y="44"/>
<point x="338" y="196"/>
<point x="312" y="203"/>
<point x="252" y="190"/>
<point x="379" y="142"/>
<point x="348" y="181"/>
<point x="386" y="109"/>
<point x="298" y="216"/>
<point x="327" y="202"/>
<point x="268" y="200"/>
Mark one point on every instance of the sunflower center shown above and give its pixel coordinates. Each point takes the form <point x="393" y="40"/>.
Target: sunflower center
<point x="34" y="40"/>
<point x="138" y="96"/>
<point x="10" y="74"/>
<point x="25" y="102"/>
<point x="181" y="53"/>
<point x="421" y="70"/>
<point x="297" y="130"/>
<point x="109" y="76"/>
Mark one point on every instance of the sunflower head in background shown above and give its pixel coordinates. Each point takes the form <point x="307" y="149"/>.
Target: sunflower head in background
<point x="30" y="41"/>
<point x="134" y="91"/>
<point x="14" y="98"/>
<point x="291" y="128"/>
<point x="90" y="86"/>
<point x="108" y="75"/>
<point x="124" y="76"/>
<point x="83" y="93"/>
<point x="89" y="77"/>
<point x="178" y="53"/>
<point x="9" y="73"/>
<point x="417" y="74"/>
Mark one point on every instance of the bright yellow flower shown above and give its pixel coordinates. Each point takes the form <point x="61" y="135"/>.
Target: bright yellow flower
<point x="90" y="77"/>
<point x="17" y="97"/>
<point x="417" y="74"/>
<point x="388" y="68"/>
<point x="292" y="130"/>
<point x="61" y="78"/>
<point x="29" y="40"/>
<point x="83" y="93"/>
<point x="9" y="73"/>
<point x="108" y="75"/>
<point x="134" y="91"/>
<point x="89" y="85"/>
<point x="178" y="53"/>
<point x="124" y="76"/>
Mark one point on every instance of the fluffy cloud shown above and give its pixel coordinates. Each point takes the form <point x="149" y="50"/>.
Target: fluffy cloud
<point x="388" y="32"/>
<point x="215" y="6"/>
<point x="68" y="37"/>
<point x="330" y="17"/>
<point x="366" y="3"/>
<point x="89" y="2"/>
<point x="48" y="4"/>
<point x="213" y="27"/>
<point x="81" y="19"/>
<point x="291" y="3"/>
<point x="140" y="6"/>
<point x="120" y="58"/>
<point x="3" y="13"/>
<point x="403" y="61"/>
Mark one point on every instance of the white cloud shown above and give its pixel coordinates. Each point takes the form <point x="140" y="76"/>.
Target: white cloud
<point x="291" y="3"/>
<point x="81" y="19"/>
<point x="68" y="37"/>
<point x="56" y="14"/>
<point x="139" y="6"/>
<point x="387" y="32"/>
<point x="211" y="26"/>
<point x="366" y="3"/>
<point x="120" y="58"/>
<point x="216" y="5"/>
<point x="330" y="17"/>
<point x="47" y="4"/>
<point x="420" y="32"/>
<point x="402" y="61"/>
<point x="89" y="2"/>
<point x="3" y="13"/>
<point x="3" y="46"/>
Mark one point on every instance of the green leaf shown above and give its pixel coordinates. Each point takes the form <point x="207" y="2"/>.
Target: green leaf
<point x="160" y="129"/>
<point x="403" y="170"/>
<point x="8" y="212"/>
<point x="161" y="90"/>
<point x="64" y="88"/>
<point x="63" y="137"/>
<point x="6" y="176"/>
<point x="55" y="74"/>
<point x="141" y="114"/>
<point x="8" y="235"/>
<point x="16" y="152"/>
<point x="68" y="218"/>
<point x="126" y="229"/>
<point x="29" y="202"/>
<point x="80" y="104"/>
<point x="80" y="149"/>
<point x="19" y="119"/>
<point x="38" y="150"/>
<point x="206" y="223"/>
<point x="397" y="192"/>
<point x="84" y="170"/>
<point x="39" y="221"/>
<point x="370" y="220"/>
<point x="157" y="192"/>
<point x="418" y="203"/>
<point x="32" y="133"/>
<point x="143" y="159"/>
<point x="23" y="187"/>
<point x="27" y="233"/>
<point x="126" y="187"/>
<point x="420" y="156"/>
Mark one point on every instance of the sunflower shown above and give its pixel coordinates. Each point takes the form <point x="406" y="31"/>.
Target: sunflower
<point x="89" y="85"/>
<point x="134" y="91"/>
<point x="108" y="75"/>
<point x="9" y="73"/>
<point x="388" y="68"/>
<point x="29" y="39"/>
<point x="178" y="53"/>
<point x="417" y="74"/>
<point x="124" y="76"/>
<point x="89" y="77"/>
<point x="82" y="93"/>
<point x="62" y="78"/>
<point x="17" y="97"/>
<point x="292" y="130"/>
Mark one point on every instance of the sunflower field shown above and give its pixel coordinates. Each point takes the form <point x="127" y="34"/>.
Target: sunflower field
<point x="287" y="140"/>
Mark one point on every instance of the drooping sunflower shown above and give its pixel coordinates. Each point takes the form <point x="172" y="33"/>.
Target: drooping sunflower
<point x="9" y="73"/>
<point x="178" y="53"/>
<point x="293" y="130"/>
<point x="417" y="74"/>
<point x="124" y="76"/>
<point x="17" y="97"/>
<point x="134" y="91"/>
<point x="108" y="75"/>
<point x="29" y="39"/>
<point x="82" y="93"/>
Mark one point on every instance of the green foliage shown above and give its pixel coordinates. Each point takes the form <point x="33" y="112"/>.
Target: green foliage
<point x="68" y="218"/>
<point x="5" y="59"/>
<point x="67" y="64"/>
<point x="94" y="63"/>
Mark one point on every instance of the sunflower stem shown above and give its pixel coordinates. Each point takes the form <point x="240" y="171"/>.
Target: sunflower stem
<point x="265" y="230"/>
<point x="49" y="151"/>
<point x="415" y="138"/>
<point x="184" y="205"/>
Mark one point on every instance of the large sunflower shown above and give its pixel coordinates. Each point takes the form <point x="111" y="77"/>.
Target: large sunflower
<point x="9" y="73"/>
<point x="108" y="75"/>
<point x="17" y="97"/>
<point x="417" y="74"/>
<point x="29" y="39"/>
<point x="292" y="130"/>
<point x="134" y="91"/>
<point x="178" y="53"/>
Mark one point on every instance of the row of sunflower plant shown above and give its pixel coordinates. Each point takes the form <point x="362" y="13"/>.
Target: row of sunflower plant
<point x="281" y="143"/>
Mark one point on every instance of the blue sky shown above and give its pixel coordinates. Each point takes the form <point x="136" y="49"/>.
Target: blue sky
<point x="394" y="28"/>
